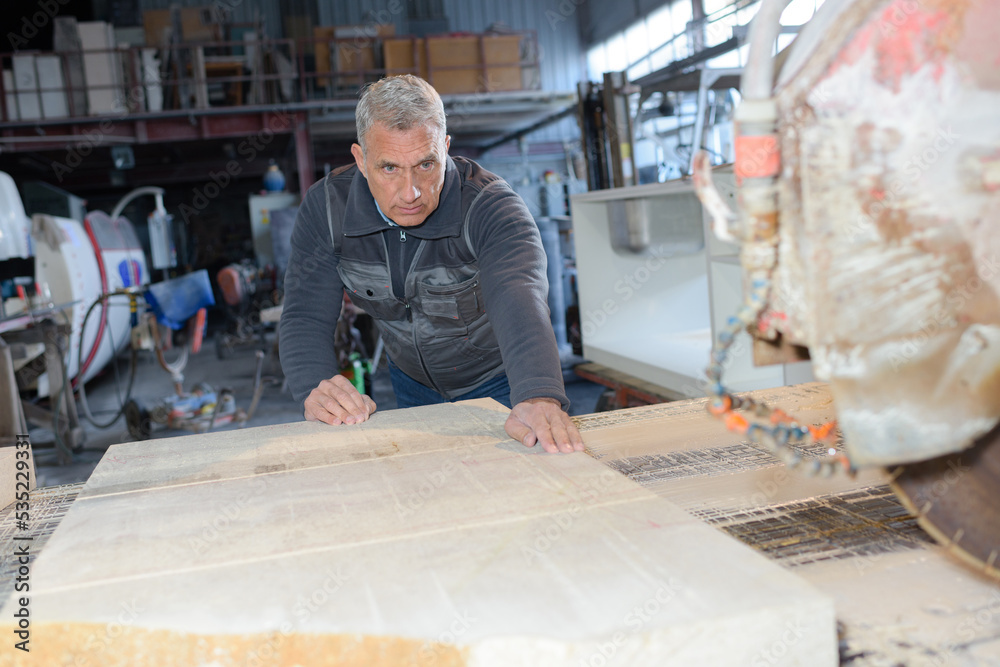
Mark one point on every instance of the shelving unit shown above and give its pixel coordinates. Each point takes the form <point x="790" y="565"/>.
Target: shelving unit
<point x="656" y="285"/>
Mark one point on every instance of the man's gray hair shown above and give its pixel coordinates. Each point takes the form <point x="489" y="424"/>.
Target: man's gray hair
<point x="399" y="103"/>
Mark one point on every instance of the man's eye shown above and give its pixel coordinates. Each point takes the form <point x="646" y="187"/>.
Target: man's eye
<point x="427" y="165"/>
<point x="389" y="169"/>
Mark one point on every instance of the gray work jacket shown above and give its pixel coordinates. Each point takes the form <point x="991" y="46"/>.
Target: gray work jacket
<point x="474" y="297"/>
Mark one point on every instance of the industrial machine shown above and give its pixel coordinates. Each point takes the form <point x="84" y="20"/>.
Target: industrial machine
<point x="177" y="319"/>
<point x="868" y="185"/>
<point x="75" y="262"/>
<point x="655" y="288"/>
<point x="246" y="290"/>
<point x="96" y="272"/>
<point x="199" y="410"/>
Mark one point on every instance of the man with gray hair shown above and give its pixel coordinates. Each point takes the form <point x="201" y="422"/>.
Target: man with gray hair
<point x="447" y="260"/>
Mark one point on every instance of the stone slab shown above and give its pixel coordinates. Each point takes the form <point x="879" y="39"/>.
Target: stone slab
<point x="422" y="537"/>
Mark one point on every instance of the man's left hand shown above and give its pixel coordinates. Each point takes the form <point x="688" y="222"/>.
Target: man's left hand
<point x="542" y="421"/>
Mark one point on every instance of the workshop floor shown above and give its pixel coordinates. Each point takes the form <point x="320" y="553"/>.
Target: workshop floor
<point x="236" y="373"/>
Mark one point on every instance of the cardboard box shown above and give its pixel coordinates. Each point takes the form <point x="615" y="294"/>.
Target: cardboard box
<point x="66" y="41"/>
<point x="52" y="86"/>
<point x="405" y="55"/>
<point x="26" y="83"/>
<point x="10" y="100"/>
<point x="503" y="62"/>
<point x="198" y="24"/>
<point x="474" y="63"/>
<point x="102" y="68"/>
<point x="454" y="64"/>
<point x="322" y="34"/>
<point x="356" y="53"/>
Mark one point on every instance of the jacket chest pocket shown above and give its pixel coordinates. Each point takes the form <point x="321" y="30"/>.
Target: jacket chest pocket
<point x="370" y="291"/>
<point x="453" y="308"/>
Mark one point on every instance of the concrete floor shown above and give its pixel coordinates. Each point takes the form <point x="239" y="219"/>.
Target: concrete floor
<point x="236" y="373"/>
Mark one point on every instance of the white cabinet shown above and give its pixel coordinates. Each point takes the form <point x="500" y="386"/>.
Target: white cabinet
<point x="655" y="286"/>
<point x="26" y="84"/>
<point x="102" y="67"/>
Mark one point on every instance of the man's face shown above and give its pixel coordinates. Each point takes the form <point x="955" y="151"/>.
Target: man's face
<point x="405" y="170"/>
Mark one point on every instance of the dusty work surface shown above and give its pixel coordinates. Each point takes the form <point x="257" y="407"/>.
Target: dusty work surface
<point x="422" y="537"/>
<point x="899" y="599"/>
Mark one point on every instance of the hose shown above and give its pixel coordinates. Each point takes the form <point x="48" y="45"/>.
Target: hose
<point x="138" y="192"/>
<point x="758" y="75"/>
<point x="132" y="367"/>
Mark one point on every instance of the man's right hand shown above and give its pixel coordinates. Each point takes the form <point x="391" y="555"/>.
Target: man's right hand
<point x="336" y="401"/>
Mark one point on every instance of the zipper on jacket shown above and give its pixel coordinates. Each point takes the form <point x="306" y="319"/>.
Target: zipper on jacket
<point x="406" y="304"/>
<point x="402" y="236"/>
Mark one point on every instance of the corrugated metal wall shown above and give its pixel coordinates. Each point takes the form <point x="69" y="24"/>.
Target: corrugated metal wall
<point x="604" y="18"/>
<point x="242" y="10"/>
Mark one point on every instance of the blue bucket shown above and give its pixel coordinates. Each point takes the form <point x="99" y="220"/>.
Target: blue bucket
<point x="176" y="301"/>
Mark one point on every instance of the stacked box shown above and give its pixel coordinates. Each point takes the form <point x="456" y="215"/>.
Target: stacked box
<point x="26" y="84"/>
<point x="405" y="55"/>
<point x="474" y="63"/>
<point x="102" y="68"/>
<point x="52" y="86"/>
<point x="355" y="51"/>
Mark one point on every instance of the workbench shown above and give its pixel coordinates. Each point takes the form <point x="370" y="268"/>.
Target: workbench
<point x="627" y="391"/>
<point x="425" y="537"/>
<point x="61" y="418"/>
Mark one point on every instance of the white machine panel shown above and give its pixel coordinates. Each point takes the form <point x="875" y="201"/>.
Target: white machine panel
<point x="67" y="262"/>
<point x="15" y="228"/>
<point x="655" y="286"/>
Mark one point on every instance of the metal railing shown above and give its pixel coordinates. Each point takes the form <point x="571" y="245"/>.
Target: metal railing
<point x="39" y="86"/>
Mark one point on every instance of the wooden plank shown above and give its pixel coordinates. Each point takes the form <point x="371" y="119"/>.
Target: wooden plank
<point x="389" y="544"/>
<point x="12" y="431"/>
<point x="616" y="379"/>
<point x="12" y="478"/>
<point x="896" y="604"/>
<point x="694" y="462"/>
<point x="684" y="425"/>
<point x="12" y="421"/>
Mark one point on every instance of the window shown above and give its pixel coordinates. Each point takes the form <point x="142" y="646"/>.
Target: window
<point x="798" y="12"/>
<point x="658" y="27"/>
<point x="636" y="42"/>
<point x="597" y="62"/>
<point x="662" y="57"/>
<point x="680" y="15"/>
<point x="640" y="69"/>
<point x="617" y="56"/>
<point x="712" y="6"/>
<point x="661" y="38"/>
